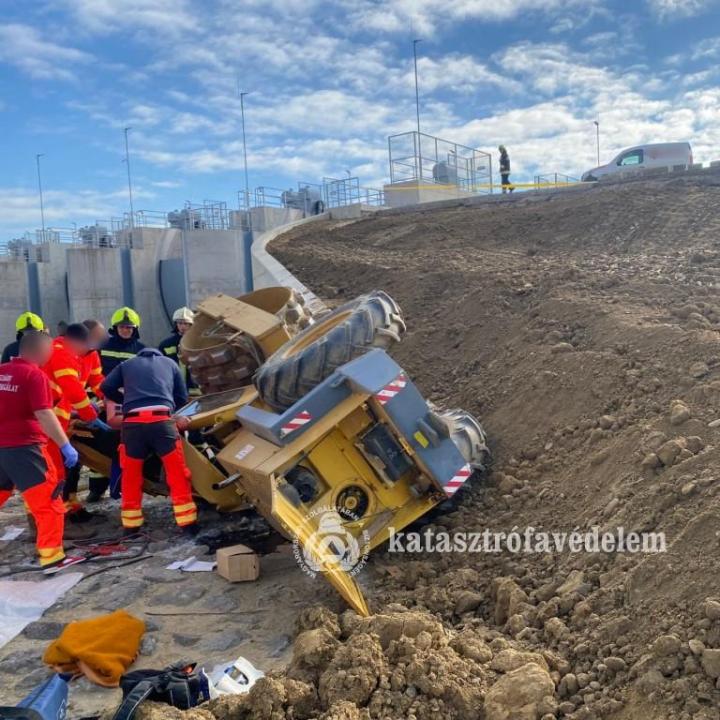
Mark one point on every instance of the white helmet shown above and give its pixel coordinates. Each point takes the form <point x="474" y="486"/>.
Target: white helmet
<point x="184" y="314"/>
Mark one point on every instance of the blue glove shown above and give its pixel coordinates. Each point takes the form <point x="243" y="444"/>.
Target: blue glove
<point x="70" y="455"/>
<point x="98" y="424"/>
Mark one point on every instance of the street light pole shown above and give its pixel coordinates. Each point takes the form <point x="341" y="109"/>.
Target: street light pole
<point x="597" y="131"/>
<point x="417" y="108"/>
<point x="127" y="162"/>
<point x="245" y="162"/>
<point x="42" y="209"/>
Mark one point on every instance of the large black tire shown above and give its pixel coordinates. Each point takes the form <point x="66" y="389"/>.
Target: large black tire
<point x="370" y="321"/>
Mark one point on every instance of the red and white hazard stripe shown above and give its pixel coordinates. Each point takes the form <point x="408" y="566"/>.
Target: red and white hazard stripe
<point x="457" y="480"/>
<point x="392" y="389"/>
<point x="297" y="422"/>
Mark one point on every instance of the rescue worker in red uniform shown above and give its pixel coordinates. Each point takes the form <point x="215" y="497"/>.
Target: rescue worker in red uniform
<point x="152" y="389"/>
<point x="26" y="421"/>
<point x="64" y="369"/>
<point x="92" y="373"/>
<point x="91" y="376"/>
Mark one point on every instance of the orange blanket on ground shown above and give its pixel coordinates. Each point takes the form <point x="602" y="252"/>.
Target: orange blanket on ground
<point x="100" y="648"/>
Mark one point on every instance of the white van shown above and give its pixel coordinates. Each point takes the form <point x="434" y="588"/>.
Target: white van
<point x="642" y="157"/>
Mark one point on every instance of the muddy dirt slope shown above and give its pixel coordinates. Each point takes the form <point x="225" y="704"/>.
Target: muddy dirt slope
<point x="583" y="330"/>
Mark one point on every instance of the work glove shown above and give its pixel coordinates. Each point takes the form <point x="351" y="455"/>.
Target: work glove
<point x="70" y="455"/>
<point x="98" y="424"/>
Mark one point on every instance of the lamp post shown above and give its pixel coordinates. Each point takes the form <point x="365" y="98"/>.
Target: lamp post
<point x="42" y="209"/>
<point x="597" y="135"/>
<point x="245" y="163"/>
<point x="127" y="162"/>
<point x="417" y="108"/>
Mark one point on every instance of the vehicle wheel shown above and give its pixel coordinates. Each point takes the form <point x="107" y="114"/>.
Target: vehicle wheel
<point x="469" y="437"/>
<point x="370" y="321"/>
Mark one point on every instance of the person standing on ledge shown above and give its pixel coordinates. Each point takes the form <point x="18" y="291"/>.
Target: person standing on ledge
<point x="505" y="170"/>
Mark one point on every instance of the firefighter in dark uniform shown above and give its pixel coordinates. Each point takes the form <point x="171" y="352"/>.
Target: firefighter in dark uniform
<point x="152" y="389"/>
<point x="122" y="344"/>
<point x="505" y="170"/>
<point x="26" y="321"/>
<point x="183" y="319"/>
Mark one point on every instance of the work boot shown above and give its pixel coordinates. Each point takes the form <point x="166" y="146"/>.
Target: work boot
<point x="79" y="532"/>
<point x="32" y="529"/>
<point x="190" y="530"/>
<point x="64" y="564"/>
<point x="81" y="516"/>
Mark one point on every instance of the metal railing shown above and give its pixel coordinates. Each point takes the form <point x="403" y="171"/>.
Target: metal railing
<point x="338" y="192"/>
<point x="426" y="159"/>
<point x="554" y="180"/>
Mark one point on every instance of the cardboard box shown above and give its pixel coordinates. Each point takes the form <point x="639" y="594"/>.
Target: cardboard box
<point x="238" y="563"/>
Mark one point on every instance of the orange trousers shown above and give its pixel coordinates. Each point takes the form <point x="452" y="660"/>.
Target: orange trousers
<point x="38" y="485"/>
<point x="145" y="434"/>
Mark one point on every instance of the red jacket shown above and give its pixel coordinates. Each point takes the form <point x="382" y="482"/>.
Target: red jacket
<point x="92" y="374"/>
<point x="65" y="372"/>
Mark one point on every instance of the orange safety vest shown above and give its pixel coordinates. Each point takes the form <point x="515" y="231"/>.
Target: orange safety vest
<point x="64" y="369"/>
<point x="92" y="374"/>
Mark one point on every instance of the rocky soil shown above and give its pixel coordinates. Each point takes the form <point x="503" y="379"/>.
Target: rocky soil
<point x="199" y="617"/>
<point x="583" y="330"/>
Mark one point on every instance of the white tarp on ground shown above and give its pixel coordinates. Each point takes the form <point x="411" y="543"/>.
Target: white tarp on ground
<point x="24" y="601"/>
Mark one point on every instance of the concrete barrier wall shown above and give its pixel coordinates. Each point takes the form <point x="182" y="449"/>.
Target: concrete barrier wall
<point x="268" y="271"/>
<point x="149" y="247"/>
<point x="52" y="285"/>
<point x="214" y="263"/>
<point x="13" y="297"/>
<point x="95" y="283"/>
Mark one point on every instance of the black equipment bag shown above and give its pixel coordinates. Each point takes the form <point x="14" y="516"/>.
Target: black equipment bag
<point x="179" y="685"/>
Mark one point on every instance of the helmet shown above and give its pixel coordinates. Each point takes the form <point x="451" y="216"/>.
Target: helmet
<point x="125" y="316"/>
<point x="184" y="314"/>
<point x="29" y="321"/>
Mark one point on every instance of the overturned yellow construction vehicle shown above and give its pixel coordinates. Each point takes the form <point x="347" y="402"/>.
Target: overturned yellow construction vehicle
<point x="311" y="422"/>
<point x="333" y="444"/>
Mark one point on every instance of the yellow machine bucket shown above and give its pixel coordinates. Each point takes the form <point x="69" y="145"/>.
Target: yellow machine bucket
<point x="309" y="541"/>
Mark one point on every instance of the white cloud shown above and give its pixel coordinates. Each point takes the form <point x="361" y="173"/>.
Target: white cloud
<point x="108" y="16"/>
<point x="680" y="8"/>
<point x="62" y="208"/>
<point x="457" y="72"/>
<point x="424" y="16"/>
<point x="23" y="47"/>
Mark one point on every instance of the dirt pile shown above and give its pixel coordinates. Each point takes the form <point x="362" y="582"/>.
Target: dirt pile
<point x="396" y="664"/>
<point x="583" y="330"/>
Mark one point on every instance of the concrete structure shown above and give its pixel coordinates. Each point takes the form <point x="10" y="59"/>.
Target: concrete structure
<point x="214" y="262"/>
<point x="52" y="291"/>
<point x="14" y="297"/>
<point x="94" y="282"/>
<point x="412" y="192"/>
<point x="268" y="271"/>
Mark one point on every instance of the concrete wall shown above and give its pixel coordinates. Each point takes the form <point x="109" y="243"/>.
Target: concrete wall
<point x="13" y="297"/>
<point x="149" y="247"/>
<point x="412" y="192"/>
<point x="214" y="263"/>
<point x="52" y="281"/>
<point x="267" y="271"/>
<point x="95" y="284"/>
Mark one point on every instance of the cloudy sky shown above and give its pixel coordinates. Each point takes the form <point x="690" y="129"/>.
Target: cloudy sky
<point x="328" y="82"/>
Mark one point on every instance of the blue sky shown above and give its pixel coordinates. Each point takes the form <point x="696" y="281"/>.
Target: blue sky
<point x="328" y="82"/>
